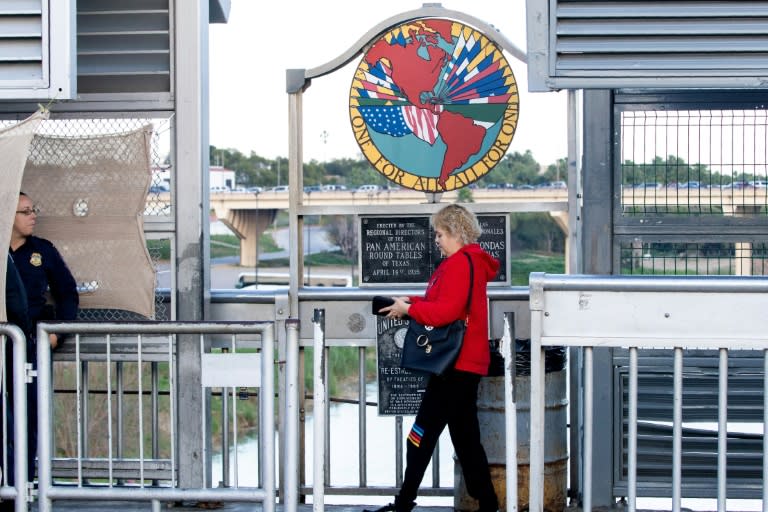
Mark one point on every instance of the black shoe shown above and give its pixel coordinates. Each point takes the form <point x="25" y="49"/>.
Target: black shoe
<point x="401" y="506"/>
<point x="389" y="507"/>
<point x="394" y="507"/>
<point x="491" y="506"/>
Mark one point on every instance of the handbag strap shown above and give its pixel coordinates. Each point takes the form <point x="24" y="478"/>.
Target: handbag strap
<point x="471" y="283"/>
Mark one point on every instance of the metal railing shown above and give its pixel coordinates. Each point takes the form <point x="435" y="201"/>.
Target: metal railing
<point x="645" y="312"/>
<point x="321" y="463"/>
<point x="11" y="337"/>
<point x="122" y="377"/>
<point x="123" y="342"/>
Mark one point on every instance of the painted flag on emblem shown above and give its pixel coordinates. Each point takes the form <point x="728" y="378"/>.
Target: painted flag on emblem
<point x="385" y="119"/>
<point x="422" y="122"/>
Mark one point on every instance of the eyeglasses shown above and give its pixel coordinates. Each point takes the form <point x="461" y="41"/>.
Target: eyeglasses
<point x="29" y="211"/>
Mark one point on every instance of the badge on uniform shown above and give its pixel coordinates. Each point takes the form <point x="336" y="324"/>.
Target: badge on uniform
<point x="36" y="259"/>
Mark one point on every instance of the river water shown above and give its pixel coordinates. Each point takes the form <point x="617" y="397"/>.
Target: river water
<point x="380" y="446"/>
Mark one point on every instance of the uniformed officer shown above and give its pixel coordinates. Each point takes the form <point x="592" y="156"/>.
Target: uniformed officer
<point x="43" y="272"/>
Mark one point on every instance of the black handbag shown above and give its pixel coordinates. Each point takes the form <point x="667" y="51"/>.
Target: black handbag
<point x="435" y="349"/>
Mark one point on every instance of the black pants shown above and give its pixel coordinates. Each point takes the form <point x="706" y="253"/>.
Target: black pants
<point x="449" y="400"/>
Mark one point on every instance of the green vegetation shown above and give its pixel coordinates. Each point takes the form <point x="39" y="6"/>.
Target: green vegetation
<point x="221" y="245"/>
<point x="252" y="170"/>
<point x="343" y="364"/>
<point x="64" y="402"/>
<point x="674" y="170"/>
<point x="159" y="249"/>
<point x="523" y="263"/>
<point x="320" y="259"/>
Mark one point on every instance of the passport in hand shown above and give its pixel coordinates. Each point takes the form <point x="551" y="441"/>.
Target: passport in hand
<point x="379" y="302"/>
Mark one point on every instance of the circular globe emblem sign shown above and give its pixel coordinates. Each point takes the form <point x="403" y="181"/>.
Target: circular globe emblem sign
<point x="433" y="105"/>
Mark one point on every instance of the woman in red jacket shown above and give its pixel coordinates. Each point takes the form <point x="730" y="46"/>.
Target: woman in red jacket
<point x="451" y="399"/>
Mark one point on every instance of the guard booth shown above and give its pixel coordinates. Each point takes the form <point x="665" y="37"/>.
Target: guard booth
<point x="143" y="71"/>
<point x="672" y="169"/>
<point x="112" y="69"/>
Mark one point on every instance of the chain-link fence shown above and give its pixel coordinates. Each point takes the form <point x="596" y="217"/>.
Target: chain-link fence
<point x="158" y="200"/>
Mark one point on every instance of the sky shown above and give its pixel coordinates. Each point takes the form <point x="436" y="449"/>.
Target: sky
<point x="250" y="54"/>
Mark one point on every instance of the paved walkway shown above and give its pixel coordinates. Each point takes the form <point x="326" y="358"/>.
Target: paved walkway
<point x="118" y="506"/>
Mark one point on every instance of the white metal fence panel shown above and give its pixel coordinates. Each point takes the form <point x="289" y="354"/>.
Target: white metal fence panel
<point x="674" y="313"/>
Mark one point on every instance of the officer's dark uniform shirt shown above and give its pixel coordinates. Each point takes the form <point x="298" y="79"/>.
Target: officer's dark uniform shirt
<point x="41" y="268"/>
<point x="15" y="297"/>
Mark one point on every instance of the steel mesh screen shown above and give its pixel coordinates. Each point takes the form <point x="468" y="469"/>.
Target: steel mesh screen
<point x="694" y="162"/>
<point x="680" y="258"/>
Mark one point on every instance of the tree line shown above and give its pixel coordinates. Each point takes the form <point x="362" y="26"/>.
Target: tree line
<point x="674" y="170"/>
<point x="534" y="231"/>
<point x="515" y="168"/>
<point x="253" y="170"/>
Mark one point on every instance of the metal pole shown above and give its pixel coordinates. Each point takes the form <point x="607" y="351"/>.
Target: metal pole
<point x="632" y="434"/>
<point x="362" y="420"/>
<point x="318" y="414"/>
<point x="509" y="353"/>
<point x="291" y="444"/>
<point x="20" y="379"/>
<point x="44" y="422"/>
<point x="722" y="431"/>
<point x="536" y="479"/>
<point x="677" y="429"/>
<point x="225" y="432"/>
<point x="589" y="381"/>
<point x="267" y="411"/>
<point x="765" y="430"/>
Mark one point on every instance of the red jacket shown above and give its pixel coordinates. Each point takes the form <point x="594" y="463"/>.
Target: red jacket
<point x="446" y="299"/>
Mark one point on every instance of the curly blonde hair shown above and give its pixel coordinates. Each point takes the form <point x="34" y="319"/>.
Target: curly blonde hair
<point x="457" y="221"/>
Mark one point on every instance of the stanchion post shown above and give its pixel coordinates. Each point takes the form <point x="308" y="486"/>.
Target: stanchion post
<point x="290" y="463"/>
<point x="318" y="415"/>
<point x="509" y="353"/>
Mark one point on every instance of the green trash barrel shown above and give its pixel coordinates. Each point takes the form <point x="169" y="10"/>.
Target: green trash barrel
<point x="491" y="416"/>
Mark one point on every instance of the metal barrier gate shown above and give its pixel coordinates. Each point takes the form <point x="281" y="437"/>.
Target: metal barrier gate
<point x="240" y="369"/>
<point x="12" y="337"/>
<point x="647" y="312"/>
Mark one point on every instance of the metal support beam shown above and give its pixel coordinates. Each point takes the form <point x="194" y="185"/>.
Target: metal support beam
<point x="597" y="244"/>
<point x="191" y="144"/>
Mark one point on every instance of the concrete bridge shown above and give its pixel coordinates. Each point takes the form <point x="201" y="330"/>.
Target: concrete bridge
<point x="248" y="214"/>
<point x="733" y="201"/>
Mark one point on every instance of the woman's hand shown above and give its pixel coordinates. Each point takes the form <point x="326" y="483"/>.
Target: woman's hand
<point x="398" y="309"/>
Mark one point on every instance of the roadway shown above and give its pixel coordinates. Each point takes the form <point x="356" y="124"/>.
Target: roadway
<point x="279" y="200"/>
<point x="225" y="270"/>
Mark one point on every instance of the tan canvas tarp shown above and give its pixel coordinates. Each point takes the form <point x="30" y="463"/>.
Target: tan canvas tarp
<point x="14" y="146"/>
<point x="91" y="192"/>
